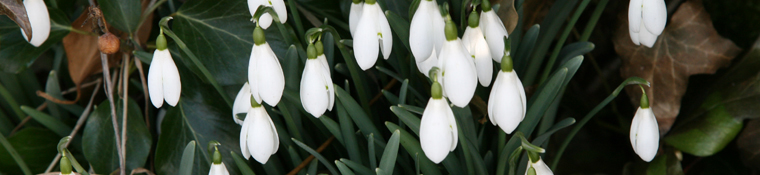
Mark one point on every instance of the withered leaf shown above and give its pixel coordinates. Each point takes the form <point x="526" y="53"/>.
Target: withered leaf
<point x="748" y="143"/>
<point x="82" y="50"/>
<point x="689" y="45"/>
<point x="508" y="14"/>
<point x="15" y="10"/>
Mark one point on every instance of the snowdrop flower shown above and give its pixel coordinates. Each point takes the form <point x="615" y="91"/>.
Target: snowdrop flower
<point x="258" y="136"/>
<point x="242" y="103"/>
<point x="538" y="166"/>
<point x="426" y="35"/>
<point x="507" y="102"/>
<point x="265" y="76"/>
<point x="438" y="128"/>
<point x="494" y="31"/>
<point x="372" y="32"/>
<point x="217" y="166"/>
<point x="163" y="77"/>
<point x="457" y="74"/>
<point x="646" y="20"/>
<point x="354" y="14"/>
<point x="266" y="19"/>
<point x="477" y="46"/>
<point x="645" y="134"/>
<point x="39" y="20"/>
<point x="317" y="91"/>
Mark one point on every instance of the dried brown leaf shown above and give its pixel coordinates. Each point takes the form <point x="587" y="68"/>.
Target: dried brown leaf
<point x="689" y="45"/>
<point x="508" y="14"/>
<point x="748" y="143"/>
<point x="15" y="10"/>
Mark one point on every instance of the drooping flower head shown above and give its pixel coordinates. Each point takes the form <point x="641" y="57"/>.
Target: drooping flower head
<point x="507" y="102"/>
<point x="538" y="167"/>
<point x="438" y="128"/>
<point x="217" y="166"/>
<point x="477" y="46"/>
<point x="645" y="133"/>
<point x="646" y="20"/>
<point x="258" y="136"/>
<point x="163" y="77"/>
<point x="354" y="14"/>
<point x="494" y="31"/>
<point x="317" y="91"/>
<point x="457" y="75"/>
<point x="267" y="81"/>
<point x="265" y="20"/>
<point x="372" y="34"/>
<point x="426" y="35"/>
<point x="39" y="21"/>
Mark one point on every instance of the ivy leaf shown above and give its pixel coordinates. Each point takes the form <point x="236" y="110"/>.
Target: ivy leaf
<point x="689" y="45"/>
<point x="123" y="15"/>
<point x="99" y="146"/>
<point x="748" y="143"/>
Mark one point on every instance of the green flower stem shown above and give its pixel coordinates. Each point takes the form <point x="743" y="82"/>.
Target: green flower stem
<point x="12" y="102"/>
<point x="513" y="159"/>
<point x="592" y="21"/>
<point x="562" y="40"/>
<point x="629" y="81"/>
<point x="14" y="154"/>
<point x="164" y="23"/>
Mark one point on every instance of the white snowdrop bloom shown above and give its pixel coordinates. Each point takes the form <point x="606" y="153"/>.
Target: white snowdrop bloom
<point x="438" y="128"/>
<point x="507" y="102"/>
<point x="267" y="81"/>
<point x="258" y="136"/>
<point x="39" y="20"/>
<point x="242" y="102"/>
<point x="317" y="91"/>
<point x="354" y="14"/>
<point x="645" y="134"/>
<point x="265" y="20"/>
<point x="217" y="166"/>
<point x="163" y="77"/>
<point x="457" y="75"/>
<point x="425" y="66"/>
<point x="540" y="167"/>
<point x="646" y="20"/>
<point x="477" y="46"/>
<point x="426" y="35"/>
<point x="372" y="34"/>
<point x="494" y="31"/>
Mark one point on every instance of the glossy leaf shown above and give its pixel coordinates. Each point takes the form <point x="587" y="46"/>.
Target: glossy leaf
<point x="99" y="145"/>
<point x="388" y="160"/>
<point x="36" y="146"/>
<point x="48" y="121"/>
<point x="188" y="157"/>
<point x="16" y="54"/>
<point x="123" y="15"/>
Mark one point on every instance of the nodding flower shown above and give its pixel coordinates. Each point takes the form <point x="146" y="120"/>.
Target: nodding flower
<point x="645" y="133"/>
<point x="265" y="20"/>
<point x="426" y="35"/>
<point x="457" y="75"/>
<point x="476" y="44"/>
<point x="217" y="166"/>
<point x="538" y="167"/>
<point x="265" y="76"/>
<point x="317" y="91"/>
<point x="258" y="136"/>
<point x="163" y="78"/>
<point x="494" y="31"/>
<point x="438" y="128"/>
<point x="507" y="102"/>
<point x="646" y="20"/>
<point x="372" y="34"/>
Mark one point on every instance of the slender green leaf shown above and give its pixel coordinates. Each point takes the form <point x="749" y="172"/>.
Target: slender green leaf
<point x="359" y="168"/>
<point x="544" y="97"/>
<point x="412" y="146"/>
<point x="15" y="155"/>
<point x="555" y="18"/>
<point x="317" y="155"/>
<point x="388" y="160"/>
<point x="402" y="92"/>
<point x="524" y="49"/>
<point x="347" y="130"/>
<point x="48" y="121"/>
<point x="12" y="102"/>
<point x="541" y="139"/>
<point x="400" y="27"/>
<point x="408" y="118"/>
<point x="242" y="164"/>
<point x="333" y="127"/>
<point x="188" y="156"/>
<point x="312" y="168"/>
<point x="413" y="109"/>
<point x="357" y="115"/>
<point x="53" y="88"/>
<point x="343" y="168"/>
<point x="393" y="99"/>
<point x="371" y="151"/>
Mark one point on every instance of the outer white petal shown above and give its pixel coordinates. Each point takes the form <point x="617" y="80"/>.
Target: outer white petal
<point x="508" y="106"/>
<point x="492" y="96"/>
<point x="279" y="8"/>
<point x="478" y="48"/>
<point x="655" y="15"/>
<point x="260" y="135"/>
<point x="366" y="44"/>
<point x="634" y="16"/>
<point x="314" y="93"/>
<point x="218" y="169"/>
<point x="242" y="102"/>
<point x="276" y="136"/>
<point x="439" y="36"/>
<point x="421" y="36"/>
<point x="634" y="37"/>
<point x="244" y="133"/>
<point x="253" y="72"/>
<point x="172" y="83"/>
<point x="271" y="77"/>
<point x="646" y="139"/>
<point x="354" y="15"/>
<point x="265" y="20"/>
<point x="155" y="78"/>
<point x="495" y="32"/>
<point x="459" y="75"/>
<point x="425" y="66"/>
<point x="520" y="88"/>
<point x="646" y="38"/>
<point x="39" y="20"/>
<point x="452" y="124"/>
<point x="435" y="134"/>
<point x="386" y="40"/>
<point x="328" y="81"/>
<point x="540" y="167"/>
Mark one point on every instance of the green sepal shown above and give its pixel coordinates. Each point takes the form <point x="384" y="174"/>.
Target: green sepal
<point x="320" y="48"/>
<point x="311" y="51"/>
<point x="436" y="91"/>
<point x="486" y="6"/>
<point x="450" y="29"/>
<point x="217" y="157"/>
<point x="254" y="103"/>
<point x="506" y="63"/>
<point x="644" y="100"/>
<point x="65" y="165"/>
<point x="258" y="36"/>
<point x="370" y="2"/>
<point x="161" y="41"/>
<point x="474" y="19"/>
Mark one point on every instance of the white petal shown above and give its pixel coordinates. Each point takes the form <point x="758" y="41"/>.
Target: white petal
<point x="253" y="5"/>
<point x="265" y="19"/>
<point x="494" y="32"/>
<point x="425" y="66"/>
<point x="435" y="134"/>
<point x="492" y="96"/>
<point x="244" y="134"/>
<point x="459" y="75"/>
<point x="270" y="75"/>
<point x="314" y="96"/>
<point x="354" y="15"/>
<point x="634" y="37"/>
<point x="541" y="168"/>
<point x="328" y="81"/>
<point x="634" y="16"/>
<point x="478" y="49"/>
<point x="646" y="38"/>
<point x="508" y="108"/>
<point x="386" y="40"/>
<point x="279" y="8"/>
<point x="253" y="72"/>
<point x="655" y="15"/>
<point x="172" y="83"/>
<point x="275" y="137"/>
<point x="647" y="137"/>
<point x="242" y="102"/>
<point x="39" y="21"/>
<point x="218" y="169"/>
<point x="260" y="136"/>
<point x="421" y="39"/>
<point x="439" y="36"/>
<point x="452" y="124"/>
<point x="520" y="88"/>
<point x="155" y="78"/>
<point x="366" y="44"/>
